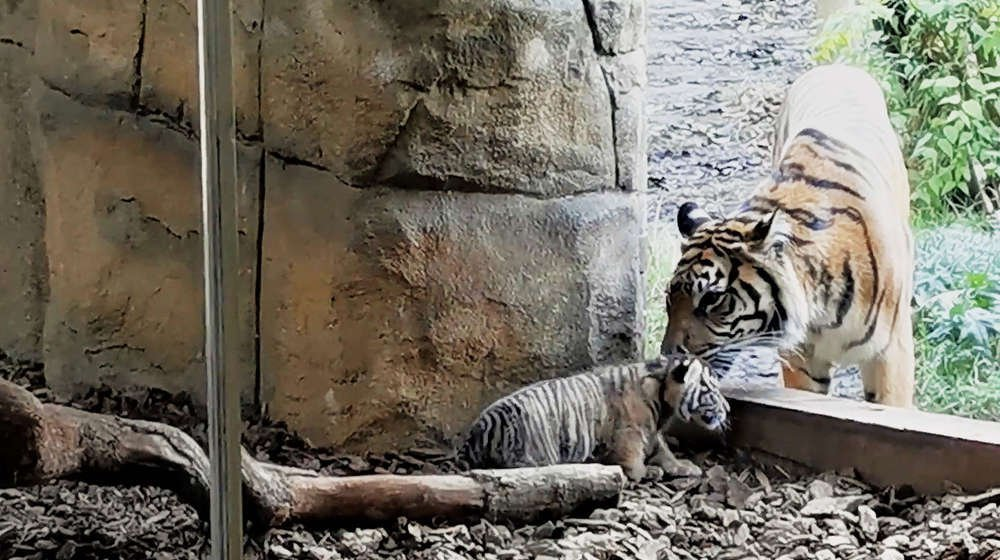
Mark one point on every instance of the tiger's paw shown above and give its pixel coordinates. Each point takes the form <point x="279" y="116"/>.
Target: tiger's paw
<point x="682" y="468"/>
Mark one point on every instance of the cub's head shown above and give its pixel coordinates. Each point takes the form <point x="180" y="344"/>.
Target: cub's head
<point x="687" y="389"/>
<point x="733" y="286"/>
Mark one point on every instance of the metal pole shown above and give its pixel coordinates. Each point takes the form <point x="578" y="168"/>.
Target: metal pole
<point x="218" y="182"/>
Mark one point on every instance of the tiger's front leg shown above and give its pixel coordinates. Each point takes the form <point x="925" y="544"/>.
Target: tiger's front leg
<point x="628" y="452"/>
<point x="797" y="374"/>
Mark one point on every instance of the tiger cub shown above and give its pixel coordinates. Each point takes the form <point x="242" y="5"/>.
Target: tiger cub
<point x="613" y="415"/>
<point x="818" y="262"/>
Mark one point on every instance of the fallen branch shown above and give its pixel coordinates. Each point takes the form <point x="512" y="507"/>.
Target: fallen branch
<point x="43" y="442"/>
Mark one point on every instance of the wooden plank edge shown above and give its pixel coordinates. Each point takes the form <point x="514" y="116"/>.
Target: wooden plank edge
<point x="885" y="446"/>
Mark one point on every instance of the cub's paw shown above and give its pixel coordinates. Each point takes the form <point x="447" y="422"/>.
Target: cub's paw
<point x="654" y="473"/>
<point x="682" y="468"/>
<point x="634" y="473"/>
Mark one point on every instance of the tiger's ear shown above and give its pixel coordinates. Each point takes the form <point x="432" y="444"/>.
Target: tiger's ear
<point x="690" y="217"/>
<point x="769" y="235"/>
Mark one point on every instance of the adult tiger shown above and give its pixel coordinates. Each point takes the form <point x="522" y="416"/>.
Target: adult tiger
<point x="819" y="261"/>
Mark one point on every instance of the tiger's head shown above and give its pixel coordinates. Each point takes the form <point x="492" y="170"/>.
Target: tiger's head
<point x="690" y="391"/>
<point x="734" y="286"/>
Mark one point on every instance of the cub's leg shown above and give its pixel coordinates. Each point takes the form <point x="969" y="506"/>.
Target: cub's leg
<point x="671" y="465"/>
<point x="888" y="378"/>
<point x="797" y="374"/>
<point x="629" y="451"/>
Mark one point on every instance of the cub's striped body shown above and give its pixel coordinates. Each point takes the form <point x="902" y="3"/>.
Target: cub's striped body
<point x="614" y="415"/>
<point x="819" y="261"/>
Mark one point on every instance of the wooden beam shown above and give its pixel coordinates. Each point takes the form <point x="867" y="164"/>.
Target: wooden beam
<point x="884" y="445"/>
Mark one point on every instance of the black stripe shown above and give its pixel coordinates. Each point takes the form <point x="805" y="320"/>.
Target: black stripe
<point x="846" y="297"/>
<point x="855" y="215"/>
<point x="871" y="326"/>
<point x="801" y="215"/>
<point x="795" y="172"/>
<point x="822" y="139"/>
<point x="826" y="280"/>
<point x="895" y="316"/>
<point x="841" y="164"/>
<point x="775" y="292"/>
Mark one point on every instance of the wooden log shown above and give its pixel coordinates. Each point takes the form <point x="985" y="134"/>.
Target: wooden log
<point x="45" y="442"/>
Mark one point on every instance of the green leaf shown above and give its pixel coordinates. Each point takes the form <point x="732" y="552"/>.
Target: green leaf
<point x="951" y="133"/>
<point x="976" y="84"/>
<point x="951" y="100"/>
<point x="945" y="82"/>
<point x="991" y="71"/>
<point x="973" y="109"/>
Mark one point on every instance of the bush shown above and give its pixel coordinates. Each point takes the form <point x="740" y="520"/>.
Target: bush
<point x="939" y="64"/>
<point x="957" y="322"/>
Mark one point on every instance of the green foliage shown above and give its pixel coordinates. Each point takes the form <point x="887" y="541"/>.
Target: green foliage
<point x="662" y="252"/>
<point x="957" y="321"/>
<point x="939" y="64"/>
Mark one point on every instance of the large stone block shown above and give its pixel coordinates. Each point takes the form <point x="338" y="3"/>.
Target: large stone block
<point x="122" y="221"/>
<point x="619" y="26"/>
<point x="90" y="48"/>
<point x="500" y="96"/>
<point x="22" y="251"/>
<point x="170" y="61"/>
<point x="391" y="316"/>
<point x="626" y="77"/>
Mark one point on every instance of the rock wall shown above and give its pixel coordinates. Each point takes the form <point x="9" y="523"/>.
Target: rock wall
<point x="438" y="201"/>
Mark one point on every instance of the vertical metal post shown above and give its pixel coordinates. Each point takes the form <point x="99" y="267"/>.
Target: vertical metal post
<point x="218" y="182"/>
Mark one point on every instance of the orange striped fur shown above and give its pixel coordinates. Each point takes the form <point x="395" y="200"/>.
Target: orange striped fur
<point x="819" y="261"/>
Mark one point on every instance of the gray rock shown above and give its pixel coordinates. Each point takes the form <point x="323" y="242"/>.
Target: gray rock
<point x="868" y="522"/>
<point x="896" y="541"/>
<point x="891" y="554"/>
<point x="818" y="507"/>
<point x="820" y="489"/>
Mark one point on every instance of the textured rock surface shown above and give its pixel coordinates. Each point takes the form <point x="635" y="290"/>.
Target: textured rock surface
<point x="22" y="254"/>
<point x="90" y="48"/>
<point x="169" y="82"/>
<point x="441" y="216"/>
<point x="498" y="97"/>
<point x="410" y="310"/>
<point x="122" y="214"/>
<point x="626" y="78"/>
<point x="618" y="25"/>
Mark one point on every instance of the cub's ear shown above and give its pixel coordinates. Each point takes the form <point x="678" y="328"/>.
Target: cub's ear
<point x="679" y="372"/>
<point x="690" y="217"/>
